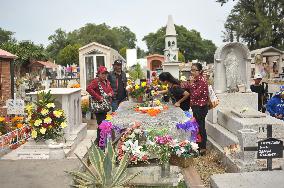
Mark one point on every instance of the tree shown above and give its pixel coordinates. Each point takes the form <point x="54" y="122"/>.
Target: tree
<point x="259" y="23"/>
<point x="140" y="53"/>
<point x="6" y="36"/>
<point x="69" y="55"/>
<point x="136" y="72"/>
<point x="58" y="41"/>
<point x="26" y="51"/>
<point x="122" y="52"/>
<point x="126" y="37"/>
<point x="181" y="57"/>
<point x="190" y="44"/>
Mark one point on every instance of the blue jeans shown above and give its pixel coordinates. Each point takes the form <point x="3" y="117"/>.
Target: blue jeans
<point x="115" y="103"/>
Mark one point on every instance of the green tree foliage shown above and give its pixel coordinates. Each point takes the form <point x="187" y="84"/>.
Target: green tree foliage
<point x="136" y="72"/>
<point x="190" y="44"/>
<point x="140" y="53"/>
<point x="181" y="57"/>
<point x="69" y="55"/>
<point x="259" y="23"/>
<point x="122" y="52"/>
<point x="117" y="38"/>
<point x="59" y="41"/>
<point x="26" y="51"/>
<point x="6" y="36"/>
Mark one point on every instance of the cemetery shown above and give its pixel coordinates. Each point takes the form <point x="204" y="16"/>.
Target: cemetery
<point x="99" y="111"/>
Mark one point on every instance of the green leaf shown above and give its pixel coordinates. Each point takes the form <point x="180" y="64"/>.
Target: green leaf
<point x="121" y="168"/>
<point x="84" y="176"/>
<point x="107" y="170"/>
<point x="96" y="161"/>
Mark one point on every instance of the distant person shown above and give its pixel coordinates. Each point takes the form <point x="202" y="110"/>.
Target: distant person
<point x="178" y="95"/>
<point x="275" y="106"/>
<point x="94" y="90"/>
<point x="118" y="82"/>
<point x="258" y="88"/>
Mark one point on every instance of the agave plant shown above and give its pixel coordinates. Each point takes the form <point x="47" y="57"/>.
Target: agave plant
<point x="103" y="171"/>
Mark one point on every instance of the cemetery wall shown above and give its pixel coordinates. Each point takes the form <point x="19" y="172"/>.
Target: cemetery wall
<point x="6" y="85"/>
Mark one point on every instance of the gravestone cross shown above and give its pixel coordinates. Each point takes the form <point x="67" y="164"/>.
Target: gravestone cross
<point x="268" y="148"/>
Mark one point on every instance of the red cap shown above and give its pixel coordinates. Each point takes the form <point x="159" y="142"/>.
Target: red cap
<point x="102" y="69"/>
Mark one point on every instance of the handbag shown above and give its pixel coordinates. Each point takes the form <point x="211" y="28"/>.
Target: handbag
<point x="100" y="106"/>
<point x="213" y="100"/>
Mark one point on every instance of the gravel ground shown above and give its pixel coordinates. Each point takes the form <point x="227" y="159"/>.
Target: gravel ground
<point x="208" y="165"/>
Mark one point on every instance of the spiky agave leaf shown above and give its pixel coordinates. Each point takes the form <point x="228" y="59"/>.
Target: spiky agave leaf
<point x="85" y="165"/>
<point x="96" y="161"/>
<point x="121" y="169"/>
<point x="107" y="170"/>
<point x="84" y="176"/>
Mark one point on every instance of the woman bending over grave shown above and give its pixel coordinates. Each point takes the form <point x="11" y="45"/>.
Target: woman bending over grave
<point x="199" y="97"/>
<point x="177" y="94"/>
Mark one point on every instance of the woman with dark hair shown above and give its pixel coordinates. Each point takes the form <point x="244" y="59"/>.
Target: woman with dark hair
<point x="199" y="97"/>
<point x="177" y="94"/>
<point x="94" y="90"/>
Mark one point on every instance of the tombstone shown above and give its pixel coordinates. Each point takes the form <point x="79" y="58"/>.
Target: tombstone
<point x="15" y="106"/>
<point x="232" y="68"/>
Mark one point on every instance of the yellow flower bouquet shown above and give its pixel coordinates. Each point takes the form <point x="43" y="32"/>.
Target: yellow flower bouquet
<point x="45" y="121"/>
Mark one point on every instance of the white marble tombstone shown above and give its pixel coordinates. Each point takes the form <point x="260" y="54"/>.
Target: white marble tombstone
<point x="232" y="67"/>
<point x="69" y="99"/>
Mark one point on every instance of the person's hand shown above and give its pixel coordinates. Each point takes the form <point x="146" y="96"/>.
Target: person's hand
<point x="109" y="94"/>
<point x="279" y="116"/>
<point x="177" y="104"/>
<point x="191" y="79"/>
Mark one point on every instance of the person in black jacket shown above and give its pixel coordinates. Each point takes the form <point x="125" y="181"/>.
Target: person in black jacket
<point x="118" y="82"/>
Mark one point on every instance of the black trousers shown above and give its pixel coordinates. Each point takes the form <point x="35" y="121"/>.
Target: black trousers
<point x="199" y="113"/>
<point x="99" y="117"/>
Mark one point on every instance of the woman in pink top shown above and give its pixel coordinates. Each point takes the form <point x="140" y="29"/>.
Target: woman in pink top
<point x="198" y="88"/>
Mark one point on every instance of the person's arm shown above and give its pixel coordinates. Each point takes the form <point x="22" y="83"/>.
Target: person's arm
<point x="162" y="92"/>
<point x="185" y="96"/>
<point x="92" y="92"/>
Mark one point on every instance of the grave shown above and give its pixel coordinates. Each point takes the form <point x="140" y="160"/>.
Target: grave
<point x="68" y="99"/>
<point x="235" y="123"/>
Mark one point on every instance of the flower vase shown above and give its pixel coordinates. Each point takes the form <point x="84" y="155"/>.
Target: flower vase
<point x="140" y="99"/>
<point x="165" y="169"/>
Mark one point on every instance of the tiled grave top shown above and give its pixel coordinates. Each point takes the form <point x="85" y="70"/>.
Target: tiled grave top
<point x="166" y="119"/>
<point x="248" y="113"/>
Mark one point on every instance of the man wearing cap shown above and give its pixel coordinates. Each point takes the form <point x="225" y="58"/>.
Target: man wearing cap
<point x="118" y="82"/>
<point x="275" y="106"/>
<point x="259" y="89"/>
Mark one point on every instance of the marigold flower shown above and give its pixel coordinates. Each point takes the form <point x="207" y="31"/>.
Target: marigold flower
<point x="2" y="119"/>
<point x="137" y="86"/>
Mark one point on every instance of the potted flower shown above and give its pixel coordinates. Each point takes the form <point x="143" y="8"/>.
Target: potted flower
<point x="45" y="120"/>
<point x="85" y="106"/>
<point x="183" y="152"/>
<point x="137" y="92"/>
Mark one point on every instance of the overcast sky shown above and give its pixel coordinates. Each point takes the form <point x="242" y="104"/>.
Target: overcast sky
<point x="35" y="20"/>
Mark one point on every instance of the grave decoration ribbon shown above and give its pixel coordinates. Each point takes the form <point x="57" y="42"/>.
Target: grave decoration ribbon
<point x="106" y="129"/>
<point x="191" y="126"/>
